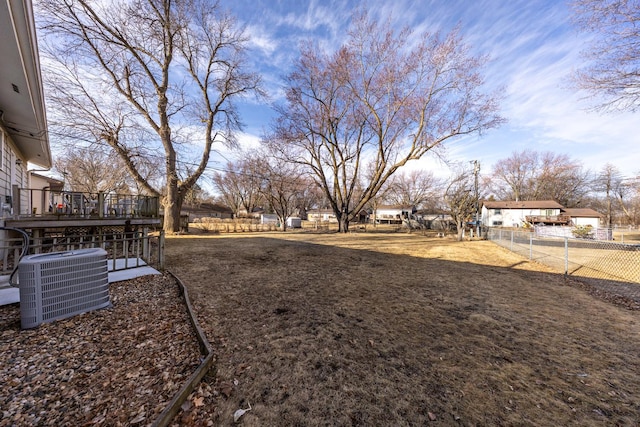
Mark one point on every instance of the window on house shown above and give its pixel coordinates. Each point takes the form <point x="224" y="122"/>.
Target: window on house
<point x="497" y="211"/>
<point x="497" y="223"/>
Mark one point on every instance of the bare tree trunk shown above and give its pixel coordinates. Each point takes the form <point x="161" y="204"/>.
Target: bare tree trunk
<point x="626" y="212"/>
<point x="460" y="227"/>
<point x="172" y="220"/>
<point x="343" y="223"/>
<point x="172" y="207"/>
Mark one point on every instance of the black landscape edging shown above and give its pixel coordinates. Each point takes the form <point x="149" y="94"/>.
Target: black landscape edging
<point x="174" y="406"/>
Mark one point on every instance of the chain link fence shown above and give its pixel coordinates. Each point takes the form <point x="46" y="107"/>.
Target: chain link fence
<point x="612" y="266"/>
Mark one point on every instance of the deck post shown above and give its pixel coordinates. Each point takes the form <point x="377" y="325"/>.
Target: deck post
<point x="37" y="240"/>
<point x="145" y="245"/>
<point x="161" y="250"/>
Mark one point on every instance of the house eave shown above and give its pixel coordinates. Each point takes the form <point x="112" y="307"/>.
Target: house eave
<point x="22" y="107"/>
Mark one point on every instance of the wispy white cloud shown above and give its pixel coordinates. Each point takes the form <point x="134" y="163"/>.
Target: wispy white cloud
<point x="323" y="21"/>
<point x="260" y="39"/>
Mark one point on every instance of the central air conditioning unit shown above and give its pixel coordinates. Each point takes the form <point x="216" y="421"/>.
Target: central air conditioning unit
<point x="58" y="285"/>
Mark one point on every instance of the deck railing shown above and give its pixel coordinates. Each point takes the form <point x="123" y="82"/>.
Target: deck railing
<point x="126" y="248"/>
<point x="46" y="203"/>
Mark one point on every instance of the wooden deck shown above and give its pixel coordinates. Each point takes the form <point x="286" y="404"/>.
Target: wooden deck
<point x="70" y="209"/>
<point x="548" y="219"/>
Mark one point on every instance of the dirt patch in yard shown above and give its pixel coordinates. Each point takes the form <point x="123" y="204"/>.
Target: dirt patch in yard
<point x="397" y="329"/>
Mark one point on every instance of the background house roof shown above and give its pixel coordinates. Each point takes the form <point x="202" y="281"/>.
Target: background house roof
<point x="526" y="204"/>
<point x="48" y="179"/>
<point x="396" y="207"/>
<point x="22" y="110"/>
<point x="582" y="213"/>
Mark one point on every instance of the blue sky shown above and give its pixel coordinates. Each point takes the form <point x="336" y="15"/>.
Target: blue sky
<point x="533" y="47"/>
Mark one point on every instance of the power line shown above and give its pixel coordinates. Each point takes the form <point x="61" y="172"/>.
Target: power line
<point x="184" y="163"/>
<point x="148" y="155"/>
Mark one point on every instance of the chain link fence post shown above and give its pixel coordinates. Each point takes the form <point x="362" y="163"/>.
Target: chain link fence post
<point x="566" y="256"/>
<point x="511" y="247"/>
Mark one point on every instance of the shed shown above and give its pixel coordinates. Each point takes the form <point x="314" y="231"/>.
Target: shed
<point x="268" y="219"/>
<point x="294" y="222"/>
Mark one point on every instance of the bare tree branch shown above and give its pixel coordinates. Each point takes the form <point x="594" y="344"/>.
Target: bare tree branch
<point x="612" y="74"/>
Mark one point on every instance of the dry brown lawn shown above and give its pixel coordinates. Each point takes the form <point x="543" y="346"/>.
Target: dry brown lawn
<point x="627" y="236"/>
<point x="398" y="329"/>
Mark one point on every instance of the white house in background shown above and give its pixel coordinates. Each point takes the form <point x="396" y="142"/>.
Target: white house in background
<point x="544" y="212"/>
<point x="23" y="124"/>
<point x="583" y="217"/>
<point x="517" y="213"/>
<point x="392" y="214"/>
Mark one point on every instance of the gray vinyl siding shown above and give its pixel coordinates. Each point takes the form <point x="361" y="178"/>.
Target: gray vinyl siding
<point x="11" y="175"/>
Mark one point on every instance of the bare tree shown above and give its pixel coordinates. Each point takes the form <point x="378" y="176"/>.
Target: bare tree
<point x="196" y="196"/>
<point x="614" y="55"/>
<point x="562" y="179"/>
<point x="461" y="200"/>
<point x="381" y="198"/>
<point x="166" y="69"/>
<point x="609" y="181"/>
<point x="419" y="188"/>
<point x="227" y="184"/>
<point x="310" y="196"/>
<point x="628" y="197"/>
<point x="282" y="186"/>
<point x="240" y="184"/>
<point x="632" y="201"/>
<point x="618" y="193"/>
<point x="514" y="177"/>
<point x="353" y="117"/>
<point x="92" y="171"/>
<point x="530" y="175"/>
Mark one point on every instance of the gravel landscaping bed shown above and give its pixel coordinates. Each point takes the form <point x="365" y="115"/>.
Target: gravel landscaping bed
<point x="116" y="366"/>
